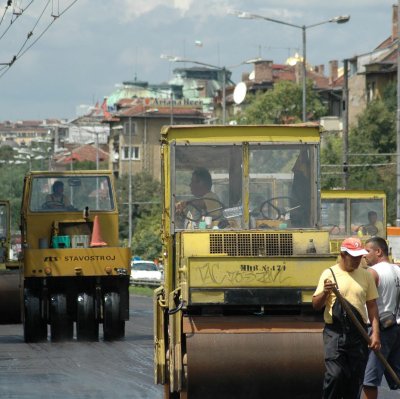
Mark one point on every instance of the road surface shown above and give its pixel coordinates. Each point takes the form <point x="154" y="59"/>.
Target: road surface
<point x="76" y="370"/>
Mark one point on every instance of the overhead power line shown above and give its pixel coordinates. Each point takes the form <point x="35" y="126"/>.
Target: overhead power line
<point x="55" y="14"/>
<point x="9" y="2"/>
<point x="16" y="15"/>
<point x="358" y="165"/>
<point x="373" y="154"/>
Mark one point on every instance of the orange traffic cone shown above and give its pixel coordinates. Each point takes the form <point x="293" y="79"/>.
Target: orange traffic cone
<point x="97" y="241"/>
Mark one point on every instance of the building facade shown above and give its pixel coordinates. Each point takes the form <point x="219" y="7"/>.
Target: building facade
<point x="135" y="128"/>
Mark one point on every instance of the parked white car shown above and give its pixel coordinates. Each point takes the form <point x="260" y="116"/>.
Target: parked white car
<point x="145" y="272"/>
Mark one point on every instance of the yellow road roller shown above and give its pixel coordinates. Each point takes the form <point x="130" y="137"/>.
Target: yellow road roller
<point x="358" y="213"/>
<point x="74" y="269"/>
<point x="10" y="303"/>
<point x="242" y="253"/>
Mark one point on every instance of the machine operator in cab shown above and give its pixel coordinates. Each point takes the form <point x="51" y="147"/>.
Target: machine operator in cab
<point x="204" y="202"/>
<point x="374" y="226"/>
<point x="345" y="350"/>
<point x="57" y="199"/>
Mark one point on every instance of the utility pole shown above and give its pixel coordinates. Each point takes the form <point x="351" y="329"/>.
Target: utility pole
<point x="130" y="185"/>
<point x="304" y="81"/>
<point x="345" y="119"/>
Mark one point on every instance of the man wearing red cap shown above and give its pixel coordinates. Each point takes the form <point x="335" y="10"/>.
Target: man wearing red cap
<point x="346" y="352"/>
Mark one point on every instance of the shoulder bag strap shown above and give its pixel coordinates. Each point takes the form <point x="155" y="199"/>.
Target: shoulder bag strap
<point x="334" y="277"/>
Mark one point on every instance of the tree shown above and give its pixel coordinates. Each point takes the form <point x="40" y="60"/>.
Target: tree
<point x="11" y="183"/>
<point x="375" y="133"/>
<point x="6" y="153"/>
<point x="331" y="156"/>
<point x="373" y="136"/>
<point x="146" y="218"/>
<point x="282" y="104"/>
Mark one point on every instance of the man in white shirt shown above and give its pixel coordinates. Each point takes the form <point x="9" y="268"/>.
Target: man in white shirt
<point x="387" y="280"/>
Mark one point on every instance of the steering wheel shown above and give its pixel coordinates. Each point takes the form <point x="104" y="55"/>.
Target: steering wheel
<point x="52" y="204"/>
<point x="279" y="211"/>
<point x="196" y="204"/>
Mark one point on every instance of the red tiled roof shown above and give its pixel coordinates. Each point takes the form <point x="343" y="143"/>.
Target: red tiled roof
<point x="82" y="153"/>
<point x="158" y="110"/>
<point x="386" y="43"/>
<point x="339" y="82"/>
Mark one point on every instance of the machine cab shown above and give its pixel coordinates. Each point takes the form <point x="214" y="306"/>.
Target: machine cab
<point x="346" y="213"/>
<point x="243" y="184"/>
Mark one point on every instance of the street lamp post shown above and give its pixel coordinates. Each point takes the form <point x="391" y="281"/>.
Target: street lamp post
<point x="130" y="186"/>
<point x="340" y="20"/>
<point x="171" y="105"/>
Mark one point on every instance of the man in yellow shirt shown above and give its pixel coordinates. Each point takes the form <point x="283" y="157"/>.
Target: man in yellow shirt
<point x="346" y="352"/>
<point x="203" y="203"/>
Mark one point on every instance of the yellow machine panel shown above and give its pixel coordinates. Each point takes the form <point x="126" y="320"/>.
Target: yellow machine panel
<point x="74" y="270"/>
<point x="243" y="250"/>
<point x="75" y="262"/>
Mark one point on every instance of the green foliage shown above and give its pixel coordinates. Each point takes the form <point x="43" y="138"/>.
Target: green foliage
<point x="375" y="133"/>
<point x="11" y="183"/>
<point x="6" y="153"/>
<point x="282" y="104"/>
<point x="146" y="214"/>
<point x="146" y="241"/>
<point x="331" y="154"/>
<point x="390" y="96"/>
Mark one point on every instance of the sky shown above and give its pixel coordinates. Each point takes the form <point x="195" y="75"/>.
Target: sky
<point x="94" y="45"/>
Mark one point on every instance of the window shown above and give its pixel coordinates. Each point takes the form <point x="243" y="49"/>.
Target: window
<point x="367" y="216"/>
<point x="370" y="91"/>
<point x="281" y="189"/>
<point x="134" y="153"/>
<point x="129" y="125"/>
<point x="275" y="181"/>
<point x="333" y="216"/>
<point x="73" y="193"/>
<point x="208" y="182"/>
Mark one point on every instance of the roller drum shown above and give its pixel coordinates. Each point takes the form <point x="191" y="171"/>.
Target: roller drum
<point x="278" y="364"/>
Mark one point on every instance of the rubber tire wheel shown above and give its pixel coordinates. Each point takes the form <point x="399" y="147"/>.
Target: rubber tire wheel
<point x="35" y="328"/>
<point x="87" y="327"/>
<point x="61" y="324"/>
<point x="113" y="326"/>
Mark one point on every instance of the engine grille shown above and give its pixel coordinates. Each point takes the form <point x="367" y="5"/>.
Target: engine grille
<point x="256" y="244"/>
